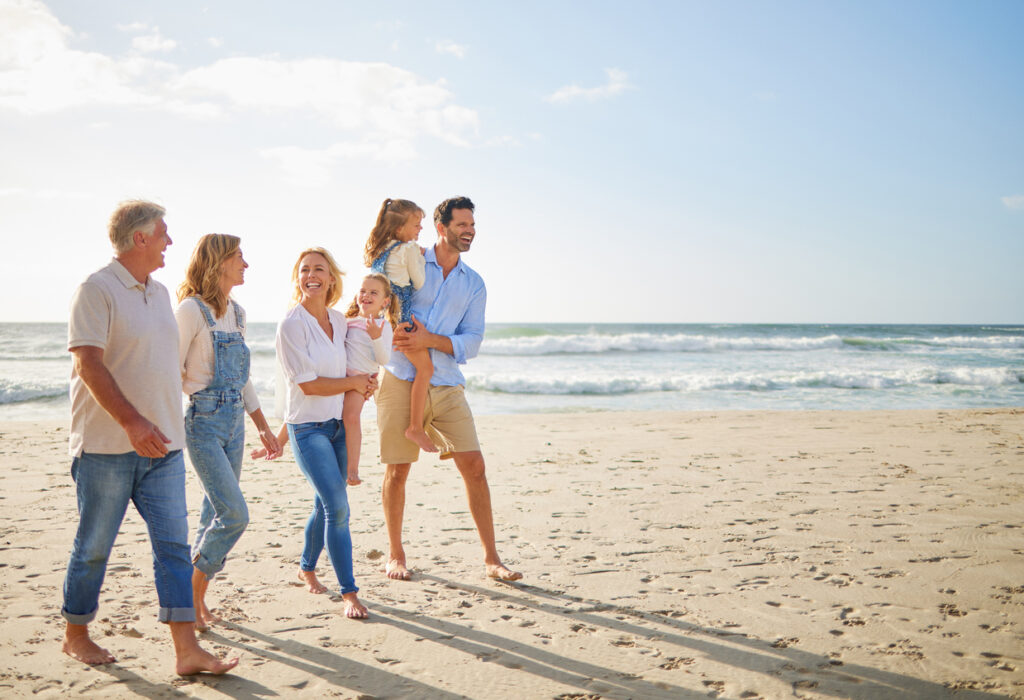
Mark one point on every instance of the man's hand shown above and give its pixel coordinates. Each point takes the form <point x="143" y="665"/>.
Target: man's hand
<point x="146" y="438"/>
<point x="416" y="339"/>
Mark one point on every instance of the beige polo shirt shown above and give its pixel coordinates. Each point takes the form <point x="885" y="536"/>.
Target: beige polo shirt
<point x="134" y="326"/>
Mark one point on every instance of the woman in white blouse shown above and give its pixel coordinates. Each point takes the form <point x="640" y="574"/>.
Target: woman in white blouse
<point x="215" y="375"/>
<point x="311" y="350"/>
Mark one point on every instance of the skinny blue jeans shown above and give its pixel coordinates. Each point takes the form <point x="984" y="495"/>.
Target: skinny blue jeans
<point x="320" y="452"/>
<point x="215" y="437"/>
<point x="105" y="484"/>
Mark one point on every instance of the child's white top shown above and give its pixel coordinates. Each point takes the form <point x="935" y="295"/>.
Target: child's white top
<point x="406" y="265"/>
<point x="305" y="352"/>
<point x="195" y="348"/>
<point x="366" y="354"/>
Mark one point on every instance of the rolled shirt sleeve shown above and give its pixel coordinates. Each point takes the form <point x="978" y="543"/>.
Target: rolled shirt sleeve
<point x="292" y="352"/>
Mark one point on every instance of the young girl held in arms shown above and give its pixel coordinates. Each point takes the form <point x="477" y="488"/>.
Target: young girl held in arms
<point x="392" y="250"/>
<point x="371" y="317"/>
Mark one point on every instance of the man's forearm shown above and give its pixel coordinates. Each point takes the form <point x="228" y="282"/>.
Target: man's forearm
<point x="103" y="386"/>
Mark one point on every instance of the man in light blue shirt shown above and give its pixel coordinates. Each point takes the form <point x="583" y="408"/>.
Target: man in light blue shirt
<point x="448" y="320"/>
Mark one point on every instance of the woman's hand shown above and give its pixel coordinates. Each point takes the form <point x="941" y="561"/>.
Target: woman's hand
<point x="365" y="384"/>
<point x="272" y="448"/>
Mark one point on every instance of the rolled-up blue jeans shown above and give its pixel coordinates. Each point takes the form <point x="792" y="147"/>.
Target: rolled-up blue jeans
<point x="105" y="484"/>
<point x="215" y="437"/>
<point x="320" y="453"/>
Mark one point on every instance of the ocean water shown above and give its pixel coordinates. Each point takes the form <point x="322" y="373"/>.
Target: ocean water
<point x="527" y="368"/>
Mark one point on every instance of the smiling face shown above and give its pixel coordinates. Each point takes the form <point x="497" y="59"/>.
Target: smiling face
<point x="410" y="230"/>
<point x="373" y="297"/>
<point x="315" y="279"/>
<point x="232" y="270"/>
<point x="459" y="234"/>
<point x="154" y="244"/>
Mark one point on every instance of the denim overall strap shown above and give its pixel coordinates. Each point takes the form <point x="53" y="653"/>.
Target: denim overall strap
<point x="231" y="357"/>
<point x="378" y="263"/>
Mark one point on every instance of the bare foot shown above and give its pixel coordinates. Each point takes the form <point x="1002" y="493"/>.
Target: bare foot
<point x="353" y="478"/>
<point x="419" y="436"/>
<point x="78" y="646"/>
<point x="353" y="608"/>
<point x="395" y="569"/>
<point x="199" y="661"/>
<point x="310" y="579"/>
<point x="502" y="573"/>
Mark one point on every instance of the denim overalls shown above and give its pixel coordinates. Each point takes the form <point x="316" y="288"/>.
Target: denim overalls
<point x="404" y="294"/>
<point x="214" y="435"/>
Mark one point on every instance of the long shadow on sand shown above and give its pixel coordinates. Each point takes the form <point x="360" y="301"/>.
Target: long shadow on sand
<point x="804" y="670"/>
<point x="240" y="688"/>
<point x="351" y="675"/>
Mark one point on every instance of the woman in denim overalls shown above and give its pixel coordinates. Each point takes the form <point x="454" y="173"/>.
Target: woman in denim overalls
<point x="215" y="375"/>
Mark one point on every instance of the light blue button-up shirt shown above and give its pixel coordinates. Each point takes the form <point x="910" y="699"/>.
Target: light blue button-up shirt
<point x="453" y="307"/>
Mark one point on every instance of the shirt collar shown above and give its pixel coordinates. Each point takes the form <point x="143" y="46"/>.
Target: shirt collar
<point x="431" y="257"/>
<point x="126" y="278"/>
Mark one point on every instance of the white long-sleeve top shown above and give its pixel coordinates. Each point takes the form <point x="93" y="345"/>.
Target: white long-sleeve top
<point x="406" y="264"/>
<point x="305" y="352"/>
<point x="366" y="354"/>
<point x="195" y="349"/>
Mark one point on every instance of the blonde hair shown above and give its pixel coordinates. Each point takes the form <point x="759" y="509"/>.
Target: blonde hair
<point x="129" y="217"/>
<point x="392" y="216"/>
<point x="334" y="290"/>
<point x="203" y="274"/>
<point x="391" y="311"/>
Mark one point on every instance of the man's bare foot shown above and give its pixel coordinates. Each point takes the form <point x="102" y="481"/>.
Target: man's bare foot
<point x="199" y="661"/>
<point x="395" y="568"/>
<point x="353" y="608"/>
<point x="78" y="645"/>
<point x="502" y="573"/>
<point x="419" y="436"/>
<point x="309" y="578"/>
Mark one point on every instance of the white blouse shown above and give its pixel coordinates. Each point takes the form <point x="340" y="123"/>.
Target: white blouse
<point x="406" y="264"/>
<point x="195" y="349"/>
<point x="305" y="352"/>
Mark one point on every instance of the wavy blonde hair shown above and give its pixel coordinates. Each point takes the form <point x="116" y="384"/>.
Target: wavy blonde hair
<point x="392" y="312"/>
<point x="334" y="291"/>
<point x="203" y="274"/>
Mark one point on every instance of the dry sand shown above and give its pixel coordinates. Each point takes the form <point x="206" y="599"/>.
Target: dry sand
<point x="666" y="555"/>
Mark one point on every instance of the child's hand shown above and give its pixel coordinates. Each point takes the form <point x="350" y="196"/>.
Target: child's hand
<point x="372" y="329"/>
<point x="423" y="251"/>
<point x="353" y="478"/>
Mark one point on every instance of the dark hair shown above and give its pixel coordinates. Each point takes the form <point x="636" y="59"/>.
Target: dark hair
<point x="443" y="213"/>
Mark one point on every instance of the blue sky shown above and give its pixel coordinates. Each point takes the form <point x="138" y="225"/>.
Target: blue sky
<point x="656" y="161"/>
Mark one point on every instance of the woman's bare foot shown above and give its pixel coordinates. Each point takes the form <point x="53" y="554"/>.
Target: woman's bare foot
<point x="502" y="573"/>
<point x="353" y="608"/>
<point x="204" y="618"/>
<point x="419" y="436"/>
<point x="197" y="660"/>
<point x="395" y="568"/>
<point x="309" y="578"/>
<point x="78" y="645"/>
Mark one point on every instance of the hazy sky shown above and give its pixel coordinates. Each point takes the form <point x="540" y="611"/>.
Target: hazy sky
<point x="630" y="161"/>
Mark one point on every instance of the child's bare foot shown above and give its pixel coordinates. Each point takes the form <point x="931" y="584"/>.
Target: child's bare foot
<point x="310" y="579"/>
<point x="78" y="645"/>
<point x="196" y="660"/>
<point x="353" y="608"/>
<point x="502" y="573"/>
<point x="419" y="436"/>
<point x="353" y="479"/>
<point x="395" y="569"/>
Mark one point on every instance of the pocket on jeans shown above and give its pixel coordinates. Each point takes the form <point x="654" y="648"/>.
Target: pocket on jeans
<point x="204" y="405"/>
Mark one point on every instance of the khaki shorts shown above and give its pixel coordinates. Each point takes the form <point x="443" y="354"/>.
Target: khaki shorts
<point x="446" y="419"/>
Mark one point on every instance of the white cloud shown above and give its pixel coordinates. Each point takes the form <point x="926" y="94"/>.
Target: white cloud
<point x="133" y="27"/>
<point x="1015" y="201"/>
<point x="387" y="108"/>
<point x="617" y="84"/>
<point x="215" y="42"/>
<point x="154" y="42"/>
<point x="451" y="47"/>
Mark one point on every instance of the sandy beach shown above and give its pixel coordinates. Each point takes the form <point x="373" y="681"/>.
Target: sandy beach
<point x="666" y="555"/>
